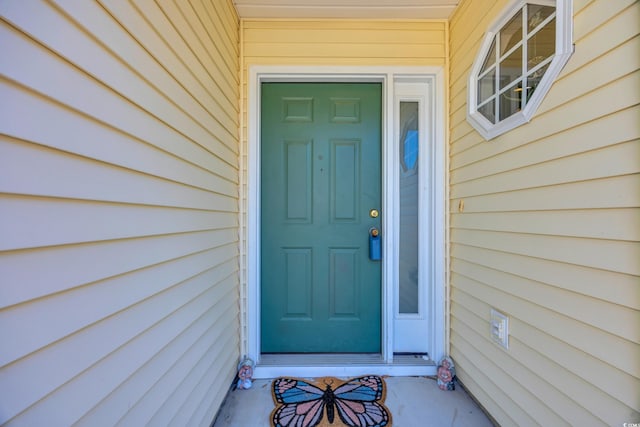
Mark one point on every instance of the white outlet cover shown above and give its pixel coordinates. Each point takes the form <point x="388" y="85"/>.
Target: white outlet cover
<point x="499" y="325"/>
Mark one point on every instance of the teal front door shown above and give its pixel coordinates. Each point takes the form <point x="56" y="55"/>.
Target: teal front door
<point x="320" y="180"/>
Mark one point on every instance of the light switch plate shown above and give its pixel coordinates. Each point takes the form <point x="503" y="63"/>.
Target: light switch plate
<point x="499" y="328"/>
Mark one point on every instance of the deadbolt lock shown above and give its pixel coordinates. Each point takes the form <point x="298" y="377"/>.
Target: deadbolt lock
<point x="373" y="213"/>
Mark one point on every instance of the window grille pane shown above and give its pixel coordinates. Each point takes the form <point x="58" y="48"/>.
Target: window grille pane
<point x="541" y="45"/>
<point x="488" y="110"/>
<point x="511" y="68"/>
<point x="490" y="60"/>
<point x="487" y="86"/>
<point x="537" y="14"/>
<point x="511" y="34"/>
<point x="534" y="78"/>
<point x="510" y="101"/>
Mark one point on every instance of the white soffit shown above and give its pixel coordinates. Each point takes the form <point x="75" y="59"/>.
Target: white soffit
<point x="352" y="9"/>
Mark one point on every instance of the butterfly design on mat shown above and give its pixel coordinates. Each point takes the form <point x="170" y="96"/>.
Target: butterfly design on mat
<point x="303" y="404"/>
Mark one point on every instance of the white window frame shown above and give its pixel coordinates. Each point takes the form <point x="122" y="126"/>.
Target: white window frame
<point x="563" y="50"/>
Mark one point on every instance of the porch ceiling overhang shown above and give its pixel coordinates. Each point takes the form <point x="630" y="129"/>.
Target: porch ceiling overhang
<point x="348" y="9"/>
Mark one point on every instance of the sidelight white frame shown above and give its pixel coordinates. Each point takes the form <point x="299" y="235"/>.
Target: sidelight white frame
<point x="415" y="90"/>
<point x="435" y="77"/>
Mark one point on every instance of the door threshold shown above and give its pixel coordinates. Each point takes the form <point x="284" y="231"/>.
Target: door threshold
<point x="341" y="365"/>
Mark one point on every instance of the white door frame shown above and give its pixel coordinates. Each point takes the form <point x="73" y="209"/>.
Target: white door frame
<point x="387" y="76"/>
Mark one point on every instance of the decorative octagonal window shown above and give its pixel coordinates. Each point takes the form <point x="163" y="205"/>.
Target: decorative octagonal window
<point x="521" y="55"/>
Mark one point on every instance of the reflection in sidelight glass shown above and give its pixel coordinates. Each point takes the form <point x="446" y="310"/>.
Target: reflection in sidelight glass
<point x="409" y="154"/>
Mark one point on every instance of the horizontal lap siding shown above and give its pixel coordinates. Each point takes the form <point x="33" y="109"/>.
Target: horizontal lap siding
<point x="336" y="42"/>
<point x="548" y="231"/>
<point x="119" y="203"/>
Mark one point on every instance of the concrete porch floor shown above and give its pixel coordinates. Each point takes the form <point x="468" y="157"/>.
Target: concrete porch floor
<point x="412" y="401"/>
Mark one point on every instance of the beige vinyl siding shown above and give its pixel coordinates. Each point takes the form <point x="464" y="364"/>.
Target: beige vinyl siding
<point x="119" y="204"/>
<point x="334" y="42"/>
<point x="343" y="42"/>
<point x="550" y="229"/>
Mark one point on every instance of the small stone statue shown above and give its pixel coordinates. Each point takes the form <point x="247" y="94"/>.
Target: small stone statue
<point x="446" y="374"/>
<point x="245" y="372"/>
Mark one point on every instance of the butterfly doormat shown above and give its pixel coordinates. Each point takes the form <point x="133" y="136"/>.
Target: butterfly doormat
<point x="330" y="402"/>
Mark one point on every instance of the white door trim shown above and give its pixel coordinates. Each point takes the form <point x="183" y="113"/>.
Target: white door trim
<point x="386" y="75"/>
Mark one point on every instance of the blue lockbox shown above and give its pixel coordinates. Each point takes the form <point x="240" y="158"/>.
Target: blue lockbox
<point x="375" y="245"/>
